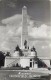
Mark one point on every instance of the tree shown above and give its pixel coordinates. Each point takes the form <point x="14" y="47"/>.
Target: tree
<point x="8" y="54"/>
<point x="41" y="63"/>
<point x="2" y="58"/>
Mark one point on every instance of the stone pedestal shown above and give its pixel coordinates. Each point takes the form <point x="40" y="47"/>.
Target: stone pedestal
<point x="32" y="53"/>
<point x="16" y="54"/>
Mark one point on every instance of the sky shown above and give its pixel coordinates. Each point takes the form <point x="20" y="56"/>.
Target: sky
<point x="38" y="10"/>
<point x="39" y="25"/>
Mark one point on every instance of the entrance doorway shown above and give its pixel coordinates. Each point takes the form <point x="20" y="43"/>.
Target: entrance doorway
<point x="31" y="63"/>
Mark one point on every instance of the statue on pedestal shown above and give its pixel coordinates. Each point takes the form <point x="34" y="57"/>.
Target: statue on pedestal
<point x="25" y="44"/>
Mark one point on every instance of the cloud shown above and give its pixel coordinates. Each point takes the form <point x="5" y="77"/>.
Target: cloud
<point x="14" y="28"/>
<point x="39" y="32"/>
<point x="11" y="4"/>
<point x="50" y="45"/>
<point x="49" y="31"/>
<point x="13" y="20"/>
<point x="19" y="30"/>
<point x="44" y="47"/>
<point x="34" y="32"/>
<point x="4" y="46"/>
<point x="10" y="32"/>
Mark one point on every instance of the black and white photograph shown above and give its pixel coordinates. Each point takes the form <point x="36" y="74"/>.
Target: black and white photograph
<point x="25" y="39"/>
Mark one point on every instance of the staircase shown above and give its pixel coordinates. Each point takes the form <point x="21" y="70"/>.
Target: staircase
<point x="13" y="63"/>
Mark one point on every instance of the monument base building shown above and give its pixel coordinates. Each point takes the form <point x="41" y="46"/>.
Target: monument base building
<point x="29" y="57"/>
<point x="24" y="61"/>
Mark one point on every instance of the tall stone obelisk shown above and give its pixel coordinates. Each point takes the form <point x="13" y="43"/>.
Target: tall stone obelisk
<point x="24" y="34"/>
